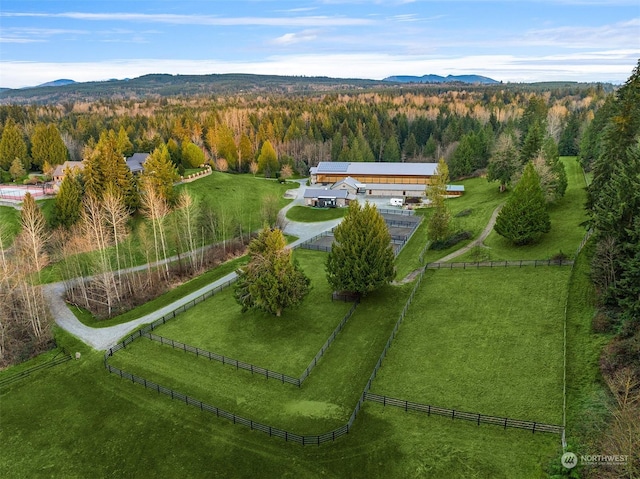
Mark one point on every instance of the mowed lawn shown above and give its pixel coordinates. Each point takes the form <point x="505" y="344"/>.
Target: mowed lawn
<point x="286" y="344"/>
<point x="483" y="340"/>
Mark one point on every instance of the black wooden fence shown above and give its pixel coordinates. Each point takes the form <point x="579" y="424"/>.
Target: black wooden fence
<point x="505" y="422"/>
<point x="62" y="357"/>
<point x="269" y="374"/>
<point x="305" y="440"/>
<point x="501" y="264"/>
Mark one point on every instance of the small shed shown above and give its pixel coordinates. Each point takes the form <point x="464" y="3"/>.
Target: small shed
<point x="322" y="198"/>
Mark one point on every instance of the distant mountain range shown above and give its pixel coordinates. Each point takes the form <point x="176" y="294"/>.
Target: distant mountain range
<point x="165" y="85"/>
<point x="473" y="79"/>
<point x="60" y="82"/>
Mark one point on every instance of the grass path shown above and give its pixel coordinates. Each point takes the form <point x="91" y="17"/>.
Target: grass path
<point x="477" y="242"/>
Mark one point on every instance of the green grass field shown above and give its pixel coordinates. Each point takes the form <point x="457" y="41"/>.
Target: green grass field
<point x="484" y="340"/>
<point x="326" y="398"/>
<point x="77" y="421"/>
<point x="9" y="224"/>
<point x="308" y="214"/>
<point x="285" y="344"/>
<point x="567" y="215"/>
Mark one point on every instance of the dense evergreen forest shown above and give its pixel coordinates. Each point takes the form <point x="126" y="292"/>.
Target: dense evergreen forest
<point x="414" y="123"/>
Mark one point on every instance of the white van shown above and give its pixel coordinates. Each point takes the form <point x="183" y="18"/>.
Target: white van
<point x="396" y="201"/>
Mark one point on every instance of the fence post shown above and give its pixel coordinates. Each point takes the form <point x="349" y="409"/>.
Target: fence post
<point x="533" y="430"/>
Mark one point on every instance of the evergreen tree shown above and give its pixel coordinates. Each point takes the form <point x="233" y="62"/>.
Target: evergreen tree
<point x="438" y="226"/>
<point x="16" y="170"/>
<point x="68" y="203"/>
<point x="504" y="161"/>
<point x="410" y="147"/>
<point x="158" y="172"/>
<point x="12" y="146"/>
<point x="272" y="280"/>
<point x="125" y="147"/>
<point x="268" y="160"/>
<point x="532" y="143"/>
<point x="524" y="217"/>
<point x="551" y="157"/>
<point x="47" y="146"/>
<point x="361" y="258"/>
<point x="245" y="152"/>
<point x="174" y="152"/>
<point x="570" y="137"/>
<point x="391" y="151"/>
<point x="107" y="168"/>
<point x="192" y="155"/>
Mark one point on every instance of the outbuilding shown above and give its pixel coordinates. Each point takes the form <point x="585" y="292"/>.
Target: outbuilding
<point x="323" y="198"/>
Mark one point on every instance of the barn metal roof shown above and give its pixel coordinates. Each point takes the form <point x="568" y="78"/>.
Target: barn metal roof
<point x="376" y="168"/>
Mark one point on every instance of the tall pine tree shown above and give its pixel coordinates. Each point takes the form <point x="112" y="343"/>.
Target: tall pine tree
<point x="361" y="258"/>
<point x="524" y="217"/>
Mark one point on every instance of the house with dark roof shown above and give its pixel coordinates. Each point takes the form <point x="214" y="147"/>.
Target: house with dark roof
<point x="135" y="162"/>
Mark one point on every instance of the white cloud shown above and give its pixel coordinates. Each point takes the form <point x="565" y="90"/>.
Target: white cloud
<point x="293" y="38"/>
<point x="212" y="20"/>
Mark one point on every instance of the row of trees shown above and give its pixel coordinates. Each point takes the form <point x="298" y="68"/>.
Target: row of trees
<point x="24" y="316"/>
<point x="361" y="260"/>
<point x="461" y="126"/>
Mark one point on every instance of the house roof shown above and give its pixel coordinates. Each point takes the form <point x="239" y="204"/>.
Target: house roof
<point x="136" y="161"/>
<point x="59" y="170"/>
<point x="322" y="193"/>
<point x="375" y="168"/>
<point x="353" y="183"/>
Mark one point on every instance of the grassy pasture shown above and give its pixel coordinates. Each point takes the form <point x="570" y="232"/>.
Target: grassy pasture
<point x="285" y="344"/>
<point x="567" y="214"/>
<point x="326" y="398"/>
<point x="77" y="421"/>
<point x="484" y="340"/>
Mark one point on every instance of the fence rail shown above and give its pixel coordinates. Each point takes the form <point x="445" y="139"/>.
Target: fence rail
<point x="501" y="264"/>
<point x="386" y="211"/>
<point x="478" y="418"/>
<point x="57" y="359"/>
<point x="223" y="359"/>
<point x="304" y="440"/>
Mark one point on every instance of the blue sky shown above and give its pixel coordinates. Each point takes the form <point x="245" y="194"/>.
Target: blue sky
<point x="512" y="41"/>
